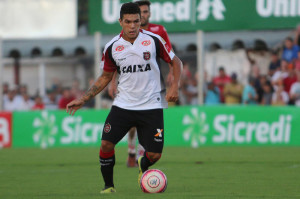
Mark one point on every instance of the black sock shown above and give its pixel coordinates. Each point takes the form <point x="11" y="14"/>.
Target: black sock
<point x="107" y="167"/>
<point x="146" y="162"/>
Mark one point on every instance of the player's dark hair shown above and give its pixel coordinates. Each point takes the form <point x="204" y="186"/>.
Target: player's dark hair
<point x="141" y="3"/>
<point x="289" y="39"/>
<point x="129" y="8"/>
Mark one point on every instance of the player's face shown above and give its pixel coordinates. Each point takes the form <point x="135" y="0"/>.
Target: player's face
<point x="130" y="24"/>
<point x="145" y="15"/>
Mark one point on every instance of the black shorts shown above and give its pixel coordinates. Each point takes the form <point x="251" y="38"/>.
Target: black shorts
<point x="149" y="124"/>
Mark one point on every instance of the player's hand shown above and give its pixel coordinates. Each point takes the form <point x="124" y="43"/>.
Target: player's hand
<point x="172" y="93"/>
<point x="73" y="106"/>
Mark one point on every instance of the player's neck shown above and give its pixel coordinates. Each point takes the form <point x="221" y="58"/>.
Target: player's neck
<point x="131" y="40"/>
<point x="145" y="27"/>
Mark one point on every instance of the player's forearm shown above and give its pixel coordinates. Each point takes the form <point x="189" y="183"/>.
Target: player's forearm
<point x="97" y="87"/>
<point x="177" y="69"/>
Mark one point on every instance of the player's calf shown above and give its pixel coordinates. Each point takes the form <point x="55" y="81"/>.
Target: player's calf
<point x="149" y="159"/>
<point x="107" y="162"/>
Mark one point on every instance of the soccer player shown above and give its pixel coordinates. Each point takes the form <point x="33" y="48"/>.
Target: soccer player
<point x="161" y="31"/>
<point x="141" y="95"/>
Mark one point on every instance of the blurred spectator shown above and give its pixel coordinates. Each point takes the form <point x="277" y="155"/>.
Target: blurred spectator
<point x="5" y="90"/>
<point x="290" y="79"/>
<point x="185" y="76"/>
<point x="19" y="92"/>
<point x="259" y="83"/>
<point x="50" y="100"/>
<point x="221" y="81"/>
<point x="38" y="105"/>
<point x="249" y="93"/>
<point x="297" y="62"/>
<point x="10" y="104"/>
<point x="25" y="103"/>
<point x="57" y="88"/>
<point x="275" y="63"/>
<point x="233" y="91"/>
<point x="280" y="97"/>
<point x="297" y="36"/>
<point x="295" y="90"/>
<point x="66" y="98"/>
<point x="212" y="94"/>
<point x="290" y="51"/>
<point x="260" y="59"/>
<point x="75" y="90"/>
<point x="23" y="89"/>
<point x="186" y="73"/>
<point x="280" y="74"/>
<point x="267" y="94"/>
<point x="190" y="90"/>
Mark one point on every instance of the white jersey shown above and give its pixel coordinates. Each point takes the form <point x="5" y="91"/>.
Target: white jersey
<point x="140" y="85"/>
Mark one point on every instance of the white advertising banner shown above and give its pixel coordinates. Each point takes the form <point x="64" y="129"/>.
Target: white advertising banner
<point x="35" y="19"/>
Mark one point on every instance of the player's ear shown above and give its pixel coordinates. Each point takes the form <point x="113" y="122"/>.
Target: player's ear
<point x="120" y="21"/>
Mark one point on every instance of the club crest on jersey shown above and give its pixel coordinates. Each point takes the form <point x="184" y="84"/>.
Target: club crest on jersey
<point x="146" y="43"/>
<point x="107" y="128"/>
<point x="119" y="48"/>
<point x="147" y="55"/>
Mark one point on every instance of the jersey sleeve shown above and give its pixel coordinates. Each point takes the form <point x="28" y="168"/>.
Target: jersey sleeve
<point x="165" y="51"/>
<point x="165" y="36"/>
<point x="107" y="62"/>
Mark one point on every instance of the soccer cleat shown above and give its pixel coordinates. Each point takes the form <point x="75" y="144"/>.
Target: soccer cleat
<point x="131" y="161"/>
<point x="108" y="190"/>
<point x="140" y="169"/>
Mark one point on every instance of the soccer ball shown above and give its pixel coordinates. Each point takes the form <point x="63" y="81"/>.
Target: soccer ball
<point x="153" y="181"/>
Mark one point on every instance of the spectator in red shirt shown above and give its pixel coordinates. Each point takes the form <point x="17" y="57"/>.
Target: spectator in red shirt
<point x="290" y="79"/>
<point x="39" y="104"/>
<point x="66" y="98"/>
<point x="221" y="81"/>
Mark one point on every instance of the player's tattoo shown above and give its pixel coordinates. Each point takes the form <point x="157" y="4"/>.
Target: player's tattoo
<point x="91" y="92"/>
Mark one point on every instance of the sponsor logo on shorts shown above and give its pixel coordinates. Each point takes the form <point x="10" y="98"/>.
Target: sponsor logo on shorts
<point x="159" y="133"/>
<point x="147" y="55"/>
<point x="146" y="43"/>
<point x="120" y="48"/>
<point x="107" y="128"/>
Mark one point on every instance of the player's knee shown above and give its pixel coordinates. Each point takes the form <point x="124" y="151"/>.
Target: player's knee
<point x="107" y="146"/>
<point x="154" y="157"/>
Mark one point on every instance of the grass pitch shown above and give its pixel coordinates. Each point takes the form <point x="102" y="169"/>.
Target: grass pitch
<point x="204" y="173"/>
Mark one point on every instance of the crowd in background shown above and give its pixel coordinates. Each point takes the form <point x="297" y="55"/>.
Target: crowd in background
<point x="280" y="86"/>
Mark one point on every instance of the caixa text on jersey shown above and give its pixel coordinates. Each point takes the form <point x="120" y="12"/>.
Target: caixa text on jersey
<point x="135" y="68"/>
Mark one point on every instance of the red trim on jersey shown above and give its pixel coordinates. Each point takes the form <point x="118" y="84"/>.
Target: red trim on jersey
<point x="159" y="30"/>
<point x="106" y="154"/>
<point x="109" y="65"/>
<point x="164" y="52"/>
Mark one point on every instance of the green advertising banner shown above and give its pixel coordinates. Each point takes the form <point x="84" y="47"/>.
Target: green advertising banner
<point x="207" y="15"/>
<point x="56" y="128"/>
<point x="233" y="126"/>
<point x="184" y="126"/>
